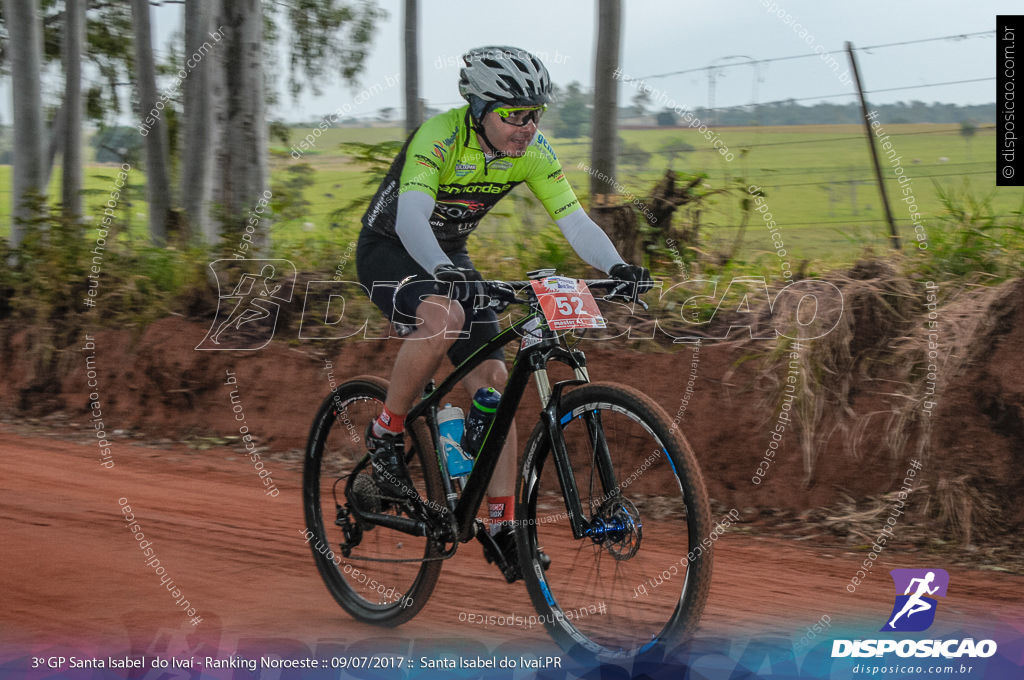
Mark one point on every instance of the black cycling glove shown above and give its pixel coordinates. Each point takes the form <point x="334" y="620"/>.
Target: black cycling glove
<point x="632" y="273"/>
<point x="467" y="282"/>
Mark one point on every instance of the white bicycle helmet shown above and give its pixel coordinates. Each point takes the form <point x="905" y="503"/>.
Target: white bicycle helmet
<point x="503" y="74"/>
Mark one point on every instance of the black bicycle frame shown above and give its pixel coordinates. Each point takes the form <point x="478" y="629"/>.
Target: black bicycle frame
<point x="529" y="361"/>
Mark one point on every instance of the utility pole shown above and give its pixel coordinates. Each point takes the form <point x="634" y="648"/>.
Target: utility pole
<point x="413" y="108"/>
<point x="604" y="125"/>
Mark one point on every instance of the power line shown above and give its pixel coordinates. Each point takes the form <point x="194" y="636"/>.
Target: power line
<point x="916" y="87"/>
<point x="958" y="36"/>
<point x="793" y="99"/>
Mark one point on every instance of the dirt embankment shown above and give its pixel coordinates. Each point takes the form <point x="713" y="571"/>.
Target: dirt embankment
<point x="155" y="383"/>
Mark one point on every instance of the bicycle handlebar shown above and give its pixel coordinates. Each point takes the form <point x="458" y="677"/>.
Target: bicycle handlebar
<point x="506" y="291"/>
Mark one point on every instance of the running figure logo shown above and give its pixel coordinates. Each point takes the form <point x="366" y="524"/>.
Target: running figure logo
<point x="914" y="609"/>
<point x="247" y="315"/>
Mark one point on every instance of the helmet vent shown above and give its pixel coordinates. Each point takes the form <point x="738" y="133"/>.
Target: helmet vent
<point x="513" y="87"/>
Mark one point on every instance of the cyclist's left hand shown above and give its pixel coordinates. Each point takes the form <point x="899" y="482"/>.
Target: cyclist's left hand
<point x="632" y="273"/>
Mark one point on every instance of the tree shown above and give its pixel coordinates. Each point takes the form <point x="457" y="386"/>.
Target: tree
<point x="673" y="146"/>
<point x="640" y="101"/>
<point x="667" y="118"/>
<point x="25" y="48"/>
<point x="117" y="144"/>
<point x="110" y="50"/>
<point x="412" y="68"/>
<point x="158" y="181"/>
<point x="105" y="46"/>
<point x="572" y="114"/>
<point x="198" y="150"/>
<point x="968" y="129"/>
<point x="328" y="34"/>
<point x="385" y="113"/>
<point x="631" y="153"/>
<point x="243" y="148"/>
<point x="71" y="185"/>
<point x="225" y="137"/>
<point x="102" y="31"/>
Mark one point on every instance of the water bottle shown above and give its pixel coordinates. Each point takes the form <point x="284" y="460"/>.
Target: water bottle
<point x="485" y="403"/>
<point x="451" y="425"/>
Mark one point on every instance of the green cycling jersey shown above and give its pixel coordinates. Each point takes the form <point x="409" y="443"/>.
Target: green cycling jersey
<point x="443" y="159"/>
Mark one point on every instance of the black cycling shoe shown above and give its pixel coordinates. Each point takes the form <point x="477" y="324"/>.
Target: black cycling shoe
<point x="505" y="541"/>
<point x="387" y="458"/>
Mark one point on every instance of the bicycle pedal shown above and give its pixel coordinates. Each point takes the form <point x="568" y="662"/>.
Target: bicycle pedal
<point x="494" y="555"/>
<point x="491" y="550"/>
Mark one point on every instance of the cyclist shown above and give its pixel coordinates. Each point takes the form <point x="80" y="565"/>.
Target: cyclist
<point x="451" y="171"/>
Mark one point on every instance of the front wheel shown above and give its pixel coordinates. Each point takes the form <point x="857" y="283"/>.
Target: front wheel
<point x="641" y="578"/>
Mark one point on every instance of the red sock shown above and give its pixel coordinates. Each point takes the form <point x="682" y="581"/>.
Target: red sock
<point x="501" y="510"/>
<point x="388" y="423"/>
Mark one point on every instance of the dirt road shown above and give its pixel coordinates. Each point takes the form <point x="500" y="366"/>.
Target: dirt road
<point x="73" y="574"/>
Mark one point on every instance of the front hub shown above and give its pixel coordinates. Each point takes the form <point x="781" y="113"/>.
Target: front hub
<point x="617" y="527"/>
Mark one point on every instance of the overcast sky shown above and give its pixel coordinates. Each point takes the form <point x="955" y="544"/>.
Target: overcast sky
<point x="664" y="36"/>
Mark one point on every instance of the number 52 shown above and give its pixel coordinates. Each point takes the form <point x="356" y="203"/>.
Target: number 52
<point x="565" y="305"/>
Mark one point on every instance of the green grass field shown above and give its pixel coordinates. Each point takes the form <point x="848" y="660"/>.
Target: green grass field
<point x="818" y="182"/>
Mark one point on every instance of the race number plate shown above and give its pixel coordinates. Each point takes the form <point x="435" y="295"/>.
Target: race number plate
<point x="567" y="303"/>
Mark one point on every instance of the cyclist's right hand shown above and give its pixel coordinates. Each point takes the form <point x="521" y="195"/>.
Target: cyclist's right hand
<point x="467" y="283"/>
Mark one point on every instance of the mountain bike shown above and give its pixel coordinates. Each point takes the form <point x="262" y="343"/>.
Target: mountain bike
<point x="609" y="490"/>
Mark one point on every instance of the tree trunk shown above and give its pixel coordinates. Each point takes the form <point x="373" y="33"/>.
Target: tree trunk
<point x="25" y="49"/>
<point x="54" y="144"/>
<point x="157" y="166"/>
<point x="412" y="68"/>
<point x="619" y="222"/>
<point x="71" y="188"/>
<point x="606" y="98"/>
<point x="243" y="155"/>
<point x="198" y="151"/>
<point x="663" y="201"/>
<point x="217" y="101"/>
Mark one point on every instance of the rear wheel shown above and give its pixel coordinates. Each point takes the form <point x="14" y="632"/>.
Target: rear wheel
<point x="640" y="580"/>
<point x="385" y="593"/>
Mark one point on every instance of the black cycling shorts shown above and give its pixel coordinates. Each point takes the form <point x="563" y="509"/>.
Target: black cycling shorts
<point x="383" y="263"/>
